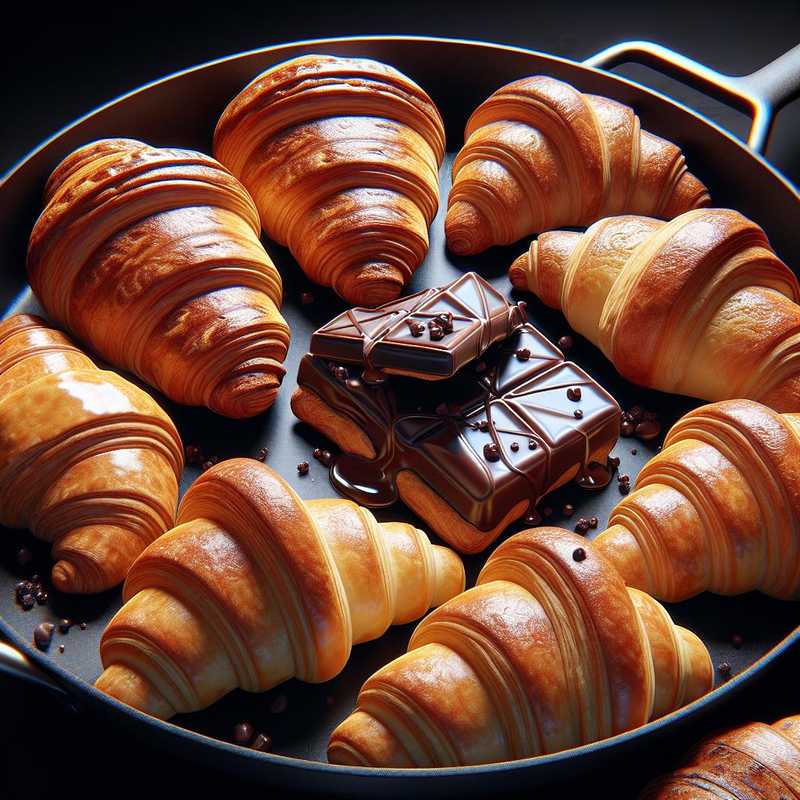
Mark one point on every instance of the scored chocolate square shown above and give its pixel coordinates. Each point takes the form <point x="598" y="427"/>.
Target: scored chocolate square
<point x="470" y="453"/>
<point x="428" y="335"/>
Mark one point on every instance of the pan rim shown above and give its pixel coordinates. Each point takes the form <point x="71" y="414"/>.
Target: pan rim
<point x="74" y="684"/>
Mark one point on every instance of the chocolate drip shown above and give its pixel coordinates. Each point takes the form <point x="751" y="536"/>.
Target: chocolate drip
<point x="459" y="434"/>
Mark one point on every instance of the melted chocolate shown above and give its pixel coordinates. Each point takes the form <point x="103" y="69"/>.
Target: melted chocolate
<point x="441" y="430"/>
<point x="431" y="334"/>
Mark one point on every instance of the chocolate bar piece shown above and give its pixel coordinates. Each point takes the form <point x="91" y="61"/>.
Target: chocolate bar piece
<point x="497" y="436"/>
<point x="429" y="335"/>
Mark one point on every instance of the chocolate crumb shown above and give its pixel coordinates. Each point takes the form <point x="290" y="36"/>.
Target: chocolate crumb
<point x="243" y="733"/>
<point x="24" y="557"/>
<point x="279" y="704"/>
<point x="624" y="488"/>
<point x="302" y="468"/>
<point x="43" y="635"/>
<point x="416" y="328"/>
<point x="61" y="648"/>
<point x="577" y="413"/>
<point x="435" y="331"/>
<point x="582" y="525"/>
<point x="82" y="626"/>
<point x="565" y="343"/>
<point x="261" y="742"/>
<point x="27" y="602"/>
<point x="262" y="454"/>
<point x="613" y="462"/>
<point x="514" y="446"/>
<point x="41" y="597"/>
<point x="65" y="625"/>
<point x="483" y="425"/>
<point x="523" y="354"/>
<point x="491" y="452"/>
<point x="306" y="298"/>
<point x="531" y="444"/>
<point x="724" y="669"/>
<point x="579" y="554"/>
<point x="341" y="373"/>
<point x="326" y="458"/>
<point x="445" y="319"/>
<point x="634" y="451"/>
<point x="574" y="393"/>
<point x="626" y="429"/>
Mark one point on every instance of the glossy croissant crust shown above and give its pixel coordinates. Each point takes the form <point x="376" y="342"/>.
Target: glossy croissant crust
<point x="700" y="305"/>
<point x="342" y="157"/>
<point x="539" y="154"/>
<point x="754" y="761"/>
<point x="88" y="461"/>
<point x="255" y="586"/>
<point x="718" y="509"/>
<point x="547" y="652"/>
<point x="152" y="256"/>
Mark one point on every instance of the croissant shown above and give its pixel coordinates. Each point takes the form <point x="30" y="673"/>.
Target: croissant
<point x="539" y="154"/>
<point x="666" y="301"/>
<point x="549" y="651"/>
<point x="718" y="509"/>
<point x="753" y="761"/>
<point x="151" y="256"/>
<point x="255" y="586"/>
<point x="342" y="157"/>
<point x="88" y="461"/>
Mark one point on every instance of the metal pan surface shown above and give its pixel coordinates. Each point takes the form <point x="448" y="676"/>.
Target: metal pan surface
<point x="181" y="110"/>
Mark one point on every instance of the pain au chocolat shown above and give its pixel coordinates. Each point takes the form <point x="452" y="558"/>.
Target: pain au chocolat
<point x="507" y="421"/>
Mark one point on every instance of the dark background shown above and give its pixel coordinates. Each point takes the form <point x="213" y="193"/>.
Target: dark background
<point x="57" y="65"/>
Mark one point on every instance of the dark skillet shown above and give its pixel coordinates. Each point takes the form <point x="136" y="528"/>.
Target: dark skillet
<point x="181" y="110"/>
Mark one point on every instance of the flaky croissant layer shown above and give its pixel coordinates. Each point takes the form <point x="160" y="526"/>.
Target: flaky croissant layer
<point x="88" y="461"/>
<point x="755" y="760"/>
<point x="255" y="586"/>
<point x="341" y="156"/>
<point x="700" y="305"/>
<point x="151" y="256"/>
<point x="718" y="509"/>
<point x="549" y="651"/>
<point x="539" y="154"/>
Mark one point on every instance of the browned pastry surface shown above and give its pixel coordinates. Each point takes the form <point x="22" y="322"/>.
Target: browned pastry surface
<point x="341" y="156"/>
<point x="88" y="461"/>
<point x="152" y="257"/>
<point x="700" y="305"/>
<point x="539" y="154"/>
<point x="718" y="509"/>
<point x="549" y="651"/>
<point x="255" y="586"/>
<point x="753" y="762"/>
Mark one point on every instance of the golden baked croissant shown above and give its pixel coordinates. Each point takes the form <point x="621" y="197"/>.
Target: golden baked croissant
<point x="88" y="461"/>
<point x="718" y="509"/>
<point x="255" y="586"/>
<point x="151" y="256"/>
<point x="753" y="761"/>
<point x="700" y="305"/>
<point x="549" y="651"/>
<point x="539" y="154"/>
<point x="342" y="157"/>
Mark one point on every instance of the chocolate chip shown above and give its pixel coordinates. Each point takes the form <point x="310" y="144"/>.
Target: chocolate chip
<point x="41" y="597"/>
<point x="647" y="430"/>
<point x="491" y="452"/>
<point x="27" y="602"/>
<point x="577" y="413"/>
<point x="634" y="451"/>
<point x="262" y="454"/>
<point x="306" y="298"/>
<point x="565" y="343"/>
<point x="737" y="640"/>
<point x="624" y="488"/>
<point x="574" y="393"/>
<point x="514" y="446"/>
<point x="24" y="557"/>
<point x="532" y="444"/>
<point x="483" y="425"/>
<point x="579" y="554"/>
<point x="523" y="354"/>
<point x="317" y="452"/>
<point x="82" y="626"/>
<point x="65" y="625"/>
<point x="279" y="704"/>
<point x="435" y="331"/>
<point x="626" y="429"/>
<point x="43" y="635"/>
<point x="243" y="733"/>
<point x="582" y="525"/>
<point x="593" y="522"/>
<point x="568" y="510"/>
<point x="624" y="478"/>
<point x="194" y="456"/>
<point x="261" y="742"/>
<point x="61" y="648"/>
<point x="326" y="458"/>
<point x="302" y="468"/>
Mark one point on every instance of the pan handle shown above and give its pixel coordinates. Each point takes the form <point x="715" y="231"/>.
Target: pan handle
<point x="760" y="95"/>
<point x="18" y="665"/>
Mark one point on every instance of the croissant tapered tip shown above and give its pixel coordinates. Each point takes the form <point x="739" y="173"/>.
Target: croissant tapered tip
<point x="246" y="395"/>
<point x="371" y="284"/>
<point x="450" y="576"/>
<point x="363" y="741"/>
<point x="689" y="193"/>
<point x="128" y="686"/>
<point x="467" y="230"/>
<point x="518" y="272"/>
<point x="66" y="577"/>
